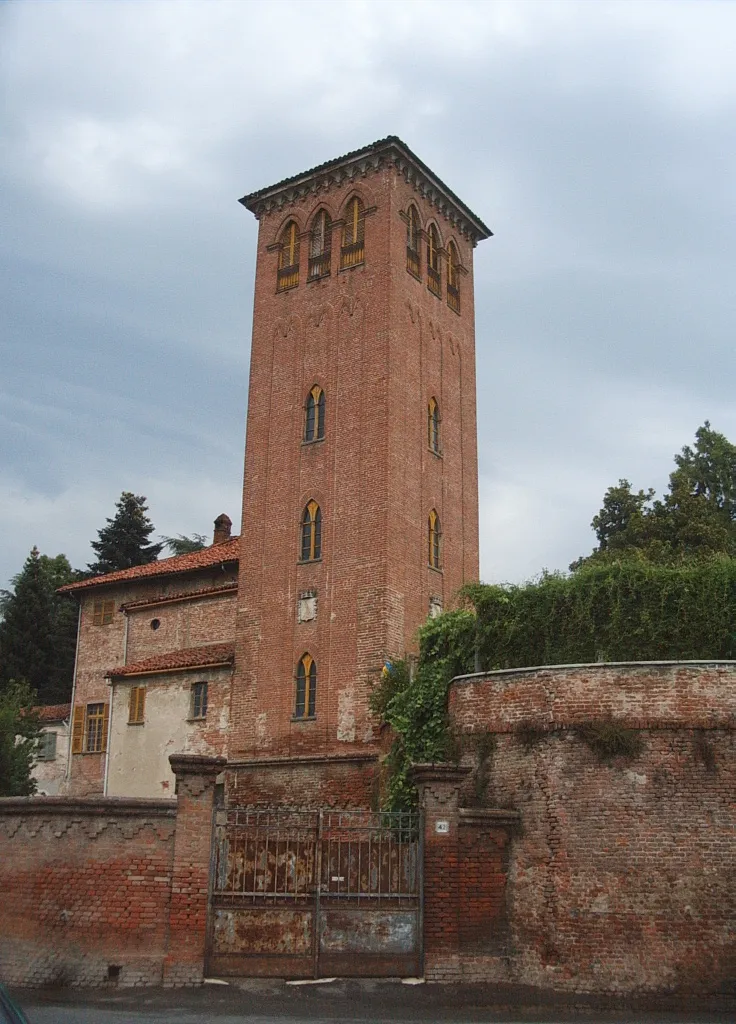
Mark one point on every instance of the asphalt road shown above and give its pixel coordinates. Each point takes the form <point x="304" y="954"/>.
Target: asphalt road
<point x="370" y="1002"/>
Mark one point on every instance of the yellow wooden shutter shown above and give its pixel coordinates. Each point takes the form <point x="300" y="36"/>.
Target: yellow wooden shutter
<point x="78" y="730"/>
<point x="105" y="723"/>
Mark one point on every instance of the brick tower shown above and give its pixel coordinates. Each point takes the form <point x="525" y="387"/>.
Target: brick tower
<point x="360" y="508"/>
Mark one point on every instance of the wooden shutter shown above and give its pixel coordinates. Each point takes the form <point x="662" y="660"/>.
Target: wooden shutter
<point x="78" y="730"/>
<point x="105" y="723"/>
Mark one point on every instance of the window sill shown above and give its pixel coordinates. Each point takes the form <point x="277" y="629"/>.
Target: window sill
<point x="309" y="561"/>
<point x="136" y="723"/>
<point x="438" y="454"/>
<point x="316" y="440"/>
<point x="202" y="718"/>
<point x="304" y="719"/>
<point x="435" y="569"/>
<point x="417" y="277"/>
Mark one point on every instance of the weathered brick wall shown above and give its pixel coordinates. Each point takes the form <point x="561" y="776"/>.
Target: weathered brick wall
<point x="85" y="890"/>
<point x="312" y="782"/>
<point x="620" y="877"/>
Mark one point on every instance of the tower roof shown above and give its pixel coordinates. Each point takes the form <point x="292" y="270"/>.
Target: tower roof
<point x="390" y="150"/>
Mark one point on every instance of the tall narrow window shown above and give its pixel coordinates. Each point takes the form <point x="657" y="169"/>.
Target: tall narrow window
<point x="413" y="264"/>
<point x="314" y="420"/>
<point x="352" y="250"/>
<point x="453" y="278"/>
<point x="434" y="278"/>
<point x="435" y="536"/>
<point x="137" y="705"/>
<point x="288" y="274"/>
<point x="320" y="246"/>
<point x="306" y="687"/>
<point x="96" y="728"/>
<point x="199" y="700"/>
<point x="311" y="533"/>
<point x="433" y="425"/>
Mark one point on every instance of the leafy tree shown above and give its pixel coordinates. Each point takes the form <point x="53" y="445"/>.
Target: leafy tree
<point x="181" y="545"/>
<point x="695" y="519"/>
<point x="124" y="542"/>
<point x="19" y="734"/>
<point x="39" y="628"/>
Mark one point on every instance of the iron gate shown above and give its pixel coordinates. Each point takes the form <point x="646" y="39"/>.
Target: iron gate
<point x="312" y="893"/>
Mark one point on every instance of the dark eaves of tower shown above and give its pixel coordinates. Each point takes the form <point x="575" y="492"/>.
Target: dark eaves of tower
<point x="360" y="162"/>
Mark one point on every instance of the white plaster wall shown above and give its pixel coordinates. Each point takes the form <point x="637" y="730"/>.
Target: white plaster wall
<point x="139" y="754"/>
<point x="50" y="776"/>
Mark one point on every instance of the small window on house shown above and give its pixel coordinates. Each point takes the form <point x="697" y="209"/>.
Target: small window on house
<point x="435" y="537"/>
<point x="453" y="278"/>
<point x="199" y="700"/>
<point x="102" y="613"/>
<point x="46" y="747"/>
<point x="434" y="277"/>
<point x="352" y="250"/>
<point x="311" y="548"/>
<point x="413" y="261"/>
<point x="288" y="273"/>
<point x="95" y="732"/>
<point x="320" y="246"/>
<point x="136" y="705"/>
<point x="314" y="419"/>
<point x="433" y="425"/>
<point x="306" y="687"/>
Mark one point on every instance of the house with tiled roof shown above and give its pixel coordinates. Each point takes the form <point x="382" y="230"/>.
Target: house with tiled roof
<point x="153" y="670"/>
<point x="52" y="757"/>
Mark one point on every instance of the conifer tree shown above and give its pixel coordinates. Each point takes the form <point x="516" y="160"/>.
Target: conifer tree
<point x="19" y="734"/>
<point x="39" y="628"/>
<point x="124" y="542"/>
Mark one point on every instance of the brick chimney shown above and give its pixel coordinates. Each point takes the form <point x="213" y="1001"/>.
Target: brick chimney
<point x="223" y="523"/>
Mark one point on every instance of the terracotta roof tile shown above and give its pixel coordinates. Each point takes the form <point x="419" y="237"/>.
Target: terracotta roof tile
<point x="213" y="555"/>
<point x="190" y="657"/>
<point x="53" y="712"/>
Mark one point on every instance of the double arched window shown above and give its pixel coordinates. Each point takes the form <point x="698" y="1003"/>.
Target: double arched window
<point x="311" y="546"/>
<point x="314" y="416"/>
<point x="435" y="539"/>
<point x="306" y="687"/>
<point x="320" y="246"/>
<point x="433" y="425"/>
<point x="288" y="273"/>
<point x="453" y="277"/>
<point x="352" y="249"/>
<point x="434" y="277"/>
<point x="413" y="261"/>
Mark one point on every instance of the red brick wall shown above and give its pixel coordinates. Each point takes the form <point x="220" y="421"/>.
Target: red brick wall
<point x="620" y="877"/>
<point x="380" y="345"/>
<point x="314" y="782"/>
<point x="483" y="867"/>
<point x="86" y="887"/>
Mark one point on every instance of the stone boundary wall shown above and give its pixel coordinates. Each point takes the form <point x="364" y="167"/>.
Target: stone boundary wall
<point x="86" y="888"/>
<point x="620" y="873"/>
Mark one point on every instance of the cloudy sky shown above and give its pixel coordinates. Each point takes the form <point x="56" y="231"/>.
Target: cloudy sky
<point x="597" y="139"/>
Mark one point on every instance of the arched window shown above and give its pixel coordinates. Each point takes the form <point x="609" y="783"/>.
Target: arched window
<point x="453" y="278"/>
<point x="320" y="246"/>
<point x="352" y="250"/>
<point x="433" y="425"/>
<point x="434" y="279"/>
<point x="306" y="687"/>
<point x="288" y="274"/>
<point x="413" y="263"/>
<point x="311" y="533"/>
<point x="314" y="420"/>
<point x="435" y="537"/>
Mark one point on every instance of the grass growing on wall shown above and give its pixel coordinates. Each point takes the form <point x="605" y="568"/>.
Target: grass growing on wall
<point x="629" y="611"/>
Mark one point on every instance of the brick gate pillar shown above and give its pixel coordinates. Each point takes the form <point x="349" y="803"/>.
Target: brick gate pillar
<point x="195" y="786"/>
<point x="439" y="789"/>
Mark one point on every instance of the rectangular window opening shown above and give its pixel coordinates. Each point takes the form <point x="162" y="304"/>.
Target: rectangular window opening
<point x="199" y="700"/>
